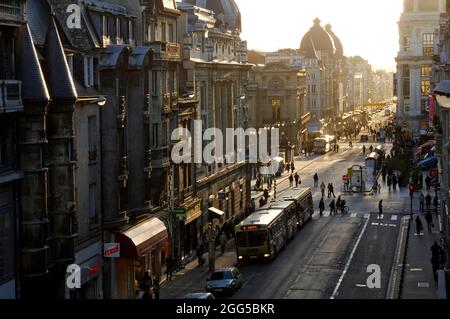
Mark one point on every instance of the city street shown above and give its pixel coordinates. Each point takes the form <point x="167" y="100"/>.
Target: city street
<point x="330" y="256"/>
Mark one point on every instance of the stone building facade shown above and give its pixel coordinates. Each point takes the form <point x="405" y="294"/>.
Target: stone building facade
<point x="418" y="35"/>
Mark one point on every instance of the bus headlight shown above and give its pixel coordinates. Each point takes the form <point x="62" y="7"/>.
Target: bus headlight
<point x="266" y="255"/>
<point x="240" y="257"/>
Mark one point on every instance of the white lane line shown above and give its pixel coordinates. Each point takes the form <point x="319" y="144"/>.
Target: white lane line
<point x="353" y="215"/>
<point x="347" y="266"/>
<point x="367" y="216"/>
<point x="394" y="218"/>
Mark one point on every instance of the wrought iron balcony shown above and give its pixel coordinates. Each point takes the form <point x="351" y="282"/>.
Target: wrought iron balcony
<point x="166" y="50"/>
<point x="10" y="96"/>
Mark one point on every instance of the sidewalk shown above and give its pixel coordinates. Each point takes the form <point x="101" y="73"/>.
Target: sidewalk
<point x="194" y="276"/>
<point x="418" y="281"/>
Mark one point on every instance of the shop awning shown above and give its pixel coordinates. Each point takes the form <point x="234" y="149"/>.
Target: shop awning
<point x="142" y="238"/>
<point x="216" y="212"/>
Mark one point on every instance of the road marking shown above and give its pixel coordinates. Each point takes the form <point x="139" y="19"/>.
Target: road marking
<point x="353" y="215"/>
<point x="367" y="216"/>
<point x="361" y="286"/>
<point x="423" y="285"/>
<point x="380" y="217"/>
<point x="394" y="218"/>
<point x="347" y="266"/>
<point x="375" y="224"/>
<point x="416" y="269"/>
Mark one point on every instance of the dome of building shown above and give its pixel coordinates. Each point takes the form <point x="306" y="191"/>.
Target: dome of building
<point x="225" y="10"/>
<point x="336" y="40"/>
<point x="316" y="39"/>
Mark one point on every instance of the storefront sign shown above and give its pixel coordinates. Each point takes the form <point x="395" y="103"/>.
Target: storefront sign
<point x="90" y="269"/>
<point x="111" y="250"/>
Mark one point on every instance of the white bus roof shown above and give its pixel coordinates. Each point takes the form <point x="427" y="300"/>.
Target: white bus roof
<point x="264" y="217"/>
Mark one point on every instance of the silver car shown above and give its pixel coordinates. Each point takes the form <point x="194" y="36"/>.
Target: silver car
<point x="224" y="281"/>
<point x="199" y="296"/>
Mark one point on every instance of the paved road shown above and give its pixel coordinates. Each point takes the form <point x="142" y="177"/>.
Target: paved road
<point x="329" y="257"/>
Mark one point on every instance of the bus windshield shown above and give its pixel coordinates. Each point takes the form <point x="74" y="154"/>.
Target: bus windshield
<point x="251" y="239"/>
<point x="319" y="143"/>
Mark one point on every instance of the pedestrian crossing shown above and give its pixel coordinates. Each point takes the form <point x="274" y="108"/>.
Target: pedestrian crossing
<point x="377" y="220"/>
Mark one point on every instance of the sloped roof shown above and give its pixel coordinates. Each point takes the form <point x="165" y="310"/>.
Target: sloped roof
<point x="57" y="71"/>
<point x="139" y="57"/>
<point x="38" y="15"/>
<point x="34" y="87"/>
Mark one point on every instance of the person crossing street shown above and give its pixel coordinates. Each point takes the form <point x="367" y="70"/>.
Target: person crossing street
<point x="297" y="179"/>
<point x="321" y="206"/>
<point x="322" y="189"/>
<point x="316" y="180"/>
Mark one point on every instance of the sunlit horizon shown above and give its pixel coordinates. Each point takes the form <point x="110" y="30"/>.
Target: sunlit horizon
<point x="366" y="28"/>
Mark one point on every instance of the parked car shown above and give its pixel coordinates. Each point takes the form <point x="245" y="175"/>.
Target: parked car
<point x="364" y="138"/>
<point x="225" y="280"/>
<point x="200" y="296"/>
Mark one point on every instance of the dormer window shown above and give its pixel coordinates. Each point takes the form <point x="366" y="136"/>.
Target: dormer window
<point x="118" y="34"/>
<point x="130" y="31"/>
<point x="88" y="71"/>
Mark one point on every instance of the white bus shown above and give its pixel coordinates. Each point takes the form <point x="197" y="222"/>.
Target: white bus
<point x="266" y="232"/>
<point x="324" y="144"/>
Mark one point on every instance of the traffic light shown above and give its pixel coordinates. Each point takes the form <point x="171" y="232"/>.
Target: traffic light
<point x="411" y="189"/>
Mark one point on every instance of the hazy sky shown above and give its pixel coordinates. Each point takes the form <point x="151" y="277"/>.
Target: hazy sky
<point x="366" y="27"/>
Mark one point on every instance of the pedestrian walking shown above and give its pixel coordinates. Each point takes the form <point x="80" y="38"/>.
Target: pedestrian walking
<point x="332" y="207"/>
<point x="332" y="190"/>
<point x="364" y="150"/>
<point x="394" y="182"/>
<point x="419" y="226"/>
<point x="428" y="200"/>
<point x="316" y="180"/>
<point x="170" y="262"/>
<point x="329" y="190"/>
<point x="156" y="287"/>
<point x="291" y="180"/>
<point x="223" y="242"/>
<point x="266" y="194"/>
<point x="371" y="148"/>
<point x="436" y="258"/>
<point x="429" y="220"/>
<point x="420" y="180"/>
<point x="262" y="202"/>
<point x="200" y="253"/>
<point x="384" y="173"/>
<point x="337" y="148"/>
<point x="428" y="183"/>
<point x="322" y="189"/>
<point x="292" y="167"/>
<point x="389" y="182"/>
<point x="436" y="203"/>
<point x="321" y="206"/>
<point x="297" y="179"/>
<point x="421" y="202"/>
<point x="380" y="209"/>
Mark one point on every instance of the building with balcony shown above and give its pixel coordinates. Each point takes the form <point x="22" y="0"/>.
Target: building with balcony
<point x="418" y="27"/>
<point x="12" y="23"/>
<point x="215" y="72"/>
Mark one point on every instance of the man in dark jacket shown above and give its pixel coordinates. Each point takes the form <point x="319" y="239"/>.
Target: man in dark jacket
<point x="321" y="206"/>
<point x="429" y="220"/>
<point x="436" y="255"/>
<point x="419" y="226"/>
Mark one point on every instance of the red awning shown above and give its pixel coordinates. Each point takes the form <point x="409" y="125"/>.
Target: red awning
<point x="140" y="239"/>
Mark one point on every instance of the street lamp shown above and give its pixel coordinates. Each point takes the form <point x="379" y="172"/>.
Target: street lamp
<point x="442" y="92"/>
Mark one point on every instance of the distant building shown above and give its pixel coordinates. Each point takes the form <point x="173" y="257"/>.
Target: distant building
<point x="417" y="29"/>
